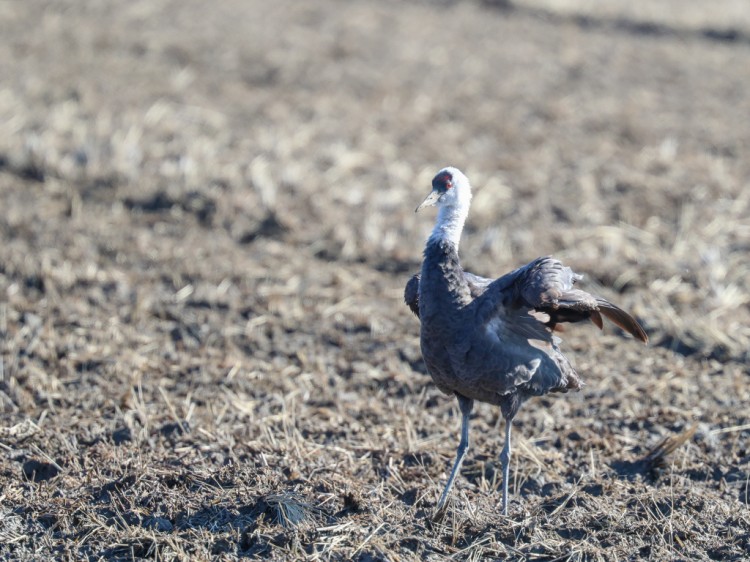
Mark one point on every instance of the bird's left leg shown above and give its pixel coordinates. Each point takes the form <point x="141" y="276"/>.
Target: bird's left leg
<point x="505" y="460"/>
<point x="466" y="405"/>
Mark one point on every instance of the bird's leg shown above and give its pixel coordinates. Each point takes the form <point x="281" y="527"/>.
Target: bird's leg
<point x="505" y="460"/>
<point x="466" y="405"/>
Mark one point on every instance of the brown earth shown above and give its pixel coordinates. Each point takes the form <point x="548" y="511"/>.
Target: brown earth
<point x="206" y="225"/>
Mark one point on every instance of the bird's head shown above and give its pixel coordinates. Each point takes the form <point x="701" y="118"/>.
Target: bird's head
<point x="450" y="188"/>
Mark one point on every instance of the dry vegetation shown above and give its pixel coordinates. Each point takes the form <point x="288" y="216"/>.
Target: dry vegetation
<point x="206" y="224"/>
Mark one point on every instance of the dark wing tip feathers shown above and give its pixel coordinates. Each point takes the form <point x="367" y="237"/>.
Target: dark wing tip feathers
<point x="622" y="319"/>
<point x="596" y="318"/>
<point x="592" y="308"/>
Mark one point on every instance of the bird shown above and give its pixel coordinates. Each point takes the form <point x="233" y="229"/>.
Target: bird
<point x="493" y="340"/>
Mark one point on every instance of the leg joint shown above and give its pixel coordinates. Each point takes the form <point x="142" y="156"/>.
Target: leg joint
<point x="505" y="455"/>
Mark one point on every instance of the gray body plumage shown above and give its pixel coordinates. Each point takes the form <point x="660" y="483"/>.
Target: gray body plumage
<point x="492" y="340"/>
<point x="484" y="339"/>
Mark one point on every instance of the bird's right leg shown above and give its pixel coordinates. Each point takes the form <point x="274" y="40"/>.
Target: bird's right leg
<point x="466" y="405"/>
<point x="505" y="461"/>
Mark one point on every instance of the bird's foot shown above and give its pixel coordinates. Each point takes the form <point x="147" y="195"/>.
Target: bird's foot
<point x="504" y="506"/>
<point x="440" y="512"/>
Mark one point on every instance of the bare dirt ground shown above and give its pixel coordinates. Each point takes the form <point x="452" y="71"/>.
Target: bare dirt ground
<point x="206" y="222"/>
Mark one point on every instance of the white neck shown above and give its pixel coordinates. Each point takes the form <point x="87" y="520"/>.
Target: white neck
<point x="449" y="224"/>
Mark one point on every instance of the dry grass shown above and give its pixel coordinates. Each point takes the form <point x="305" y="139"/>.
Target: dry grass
<point x="206" y="227"/>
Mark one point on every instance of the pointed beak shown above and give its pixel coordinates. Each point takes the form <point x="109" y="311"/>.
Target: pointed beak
<point x="430" y="201"/>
